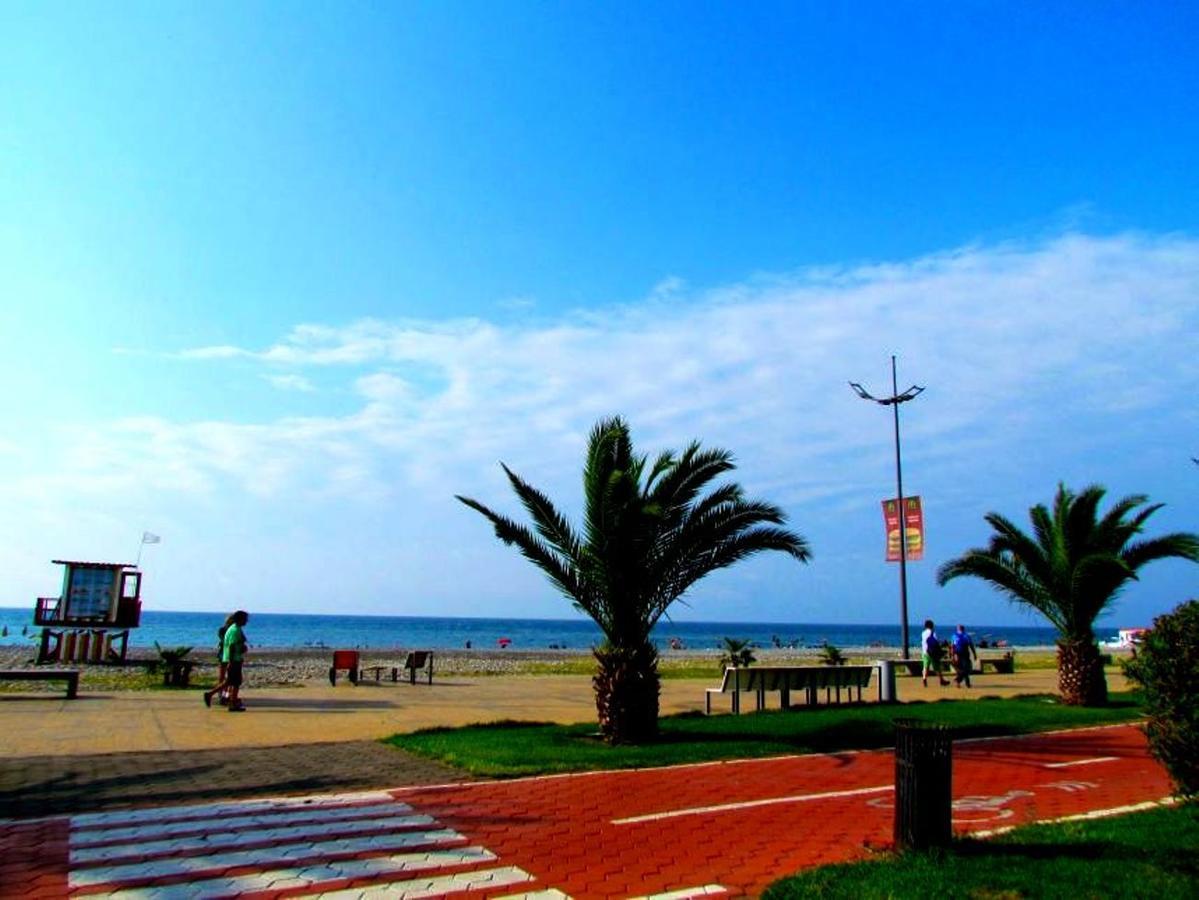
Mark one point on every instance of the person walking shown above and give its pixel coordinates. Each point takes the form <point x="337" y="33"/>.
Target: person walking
<point x="930" y="653"/>
<point x="233" y="652"/>
<point x="964" y="655"/>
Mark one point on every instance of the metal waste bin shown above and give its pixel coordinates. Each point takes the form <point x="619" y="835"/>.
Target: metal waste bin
<point x="923" y="784"/>
<point x="886" y="681"/>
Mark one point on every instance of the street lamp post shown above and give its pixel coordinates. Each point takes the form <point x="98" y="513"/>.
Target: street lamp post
<point x="893" y="401"/>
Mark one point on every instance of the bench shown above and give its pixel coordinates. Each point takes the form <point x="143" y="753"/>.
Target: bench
<point x="1001" y="664"/>
<point x="70" y="676"/>
<point x="1004" y="664"/>
<point x="808" y="680"/>
<point x="417" y="661"/>
<point x="378" y="671"/>
<point x="344" y="661"/>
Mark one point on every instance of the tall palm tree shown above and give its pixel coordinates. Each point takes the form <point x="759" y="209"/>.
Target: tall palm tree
<point x="649" y="533"/>
<point x="1071" y="569"/>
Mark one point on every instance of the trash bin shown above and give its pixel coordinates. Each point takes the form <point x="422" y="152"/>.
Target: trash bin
<point x="886" y="680"/>
<point x="923" y="784"/>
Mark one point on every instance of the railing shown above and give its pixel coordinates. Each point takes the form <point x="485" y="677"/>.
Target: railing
<point x="49" y="611"/>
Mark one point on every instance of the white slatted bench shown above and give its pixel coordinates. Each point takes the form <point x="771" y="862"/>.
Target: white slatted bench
<point x="809" y="680"/>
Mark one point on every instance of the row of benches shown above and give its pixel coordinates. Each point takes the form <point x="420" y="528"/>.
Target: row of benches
<point x="1001" y="664"/>
<point x="350" y="662"/>
<point x="806" y="681"/>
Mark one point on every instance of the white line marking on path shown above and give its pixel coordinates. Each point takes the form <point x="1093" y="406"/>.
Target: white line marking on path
<point x="216" y="840"/>
<point x="258" y="819"/>
<point x="750" y="804"/>
<point x="706" y="890"/>
<point x="485" y="879"/>
<point x="311" y="876"/>
<point x="1093" y="814"/>
<point x="287" y="855"/>
<point x="228" y="807"/>
<point x="1081" y="762"/>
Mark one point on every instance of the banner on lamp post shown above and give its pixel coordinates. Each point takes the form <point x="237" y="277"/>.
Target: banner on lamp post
<point x="913" y="526"/>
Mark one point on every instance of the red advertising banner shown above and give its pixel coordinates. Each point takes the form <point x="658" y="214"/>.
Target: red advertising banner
<point x="913" y="527"/>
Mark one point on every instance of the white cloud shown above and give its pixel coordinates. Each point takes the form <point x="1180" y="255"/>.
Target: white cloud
<point x="291" y="383"/>
<point x="1045" y="348"/>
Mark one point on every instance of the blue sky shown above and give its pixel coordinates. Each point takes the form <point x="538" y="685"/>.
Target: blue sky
<point x="277" y="280"/>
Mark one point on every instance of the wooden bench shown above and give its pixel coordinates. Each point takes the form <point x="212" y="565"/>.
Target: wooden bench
<point x="378" y="671"/>
<point x="70" y="676"/>
<point x="805" y="680"/>
<point x="417" y="661"/>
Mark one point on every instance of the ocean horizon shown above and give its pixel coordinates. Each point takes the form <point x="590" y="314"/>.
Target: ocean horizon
<point x="300" y="630"/>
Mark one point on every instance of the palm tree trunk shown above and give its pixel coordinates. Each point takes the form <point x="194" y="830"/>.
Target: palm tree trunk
<point x="1080" y="677"/>
<point x="626" y="693"/>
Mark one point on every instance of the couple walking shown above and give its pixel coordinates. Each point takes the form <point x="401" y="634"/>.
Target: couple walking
<point x="931" y="652"/>
<point x="232" y="649"/>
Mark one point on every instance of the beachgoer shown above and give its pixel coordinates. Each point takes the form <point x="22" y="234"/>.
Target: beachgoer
<point x="963" y="648"/>
<point x="930" y="653"/>
<point x="222" y="668"/>
<point x="233" y="652"/>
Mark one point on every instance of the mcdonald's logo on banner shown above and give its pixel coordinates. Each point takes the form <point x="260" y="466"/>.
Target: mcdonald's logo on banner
<point x="913" y="528"/>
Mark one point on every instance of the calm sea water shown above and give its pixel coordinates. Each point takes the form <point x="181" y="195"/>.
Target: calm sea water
<point x="198" y="629"/>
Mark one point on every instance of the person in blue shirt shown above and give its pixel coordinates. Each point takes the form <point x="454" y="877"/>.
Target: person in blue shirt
<point x="964" y="655"/>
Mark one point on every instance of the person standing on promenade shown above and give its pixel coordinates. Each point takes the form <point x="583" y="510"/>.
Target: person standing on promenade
<point x="963" y="650"/>
<point x="233" y="652"/>
<point x="930" y="653"/>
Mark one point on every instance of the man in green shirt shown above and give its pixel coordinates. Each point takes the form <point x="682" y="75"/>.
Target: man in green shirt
<point x="233" y="652"/>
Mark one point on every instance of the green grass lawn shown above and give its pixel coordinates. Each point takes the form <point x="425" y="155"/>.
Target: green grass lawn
<point x="510" y="749"/>
<point x="1149" y="854"/>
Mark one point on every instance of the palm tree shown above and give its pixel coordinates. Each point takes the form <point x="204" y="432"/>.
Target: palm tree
<point x="737" y="653"/>
<point x="1070" y="570"/>
<point x="649" y="533"/>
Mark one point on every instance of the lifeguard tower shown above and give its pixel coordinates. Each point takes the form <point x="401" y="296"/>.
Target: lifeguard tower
<point x="90" y="620"/>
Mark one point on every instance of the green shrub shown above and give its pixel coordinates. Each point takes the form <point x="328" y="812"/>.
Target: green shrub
<point x="1166" y="668"/>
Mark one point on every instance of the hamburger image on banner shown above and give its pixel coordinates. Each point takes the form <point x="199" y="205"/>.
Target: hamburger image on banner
<point x="913" y="525"/>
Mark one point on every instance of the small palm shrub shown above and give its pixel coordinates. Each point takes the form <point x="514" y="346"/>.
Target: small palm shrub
<point x="1166" y="668"/>
<point x="831" y="655"/>
<point x="737" y="653"/>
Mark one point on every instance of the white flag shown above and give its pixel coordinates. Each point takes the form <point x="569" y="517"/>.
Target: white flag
<point x="148" y="538"/>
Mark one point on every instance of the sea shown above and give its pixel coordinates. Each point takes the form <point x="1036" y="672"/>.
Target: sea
<point x="286" y="630"/>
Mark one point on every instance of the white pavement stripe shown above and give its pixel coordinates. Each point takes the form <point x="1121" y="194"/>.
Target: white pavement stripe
<point x="309" y="877"/>
<point x="279" y="854"/>
<point x="256" y="820"/>
<point x="1093" y="814"/>
<point x="228" y="807"/>
<point x="113" y="853"/>
<point x="550" y="894"/>
<point x="485" y="879"/>
<point x="1081" y="762"/>
<point x="750" y="804"/>
<point x="706" y="890"/>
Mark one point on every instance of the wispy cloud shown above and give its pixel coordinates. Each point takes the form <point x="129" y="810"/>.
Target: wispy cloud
<point x="291" y="382"/>
<point x="1007" y="337"/>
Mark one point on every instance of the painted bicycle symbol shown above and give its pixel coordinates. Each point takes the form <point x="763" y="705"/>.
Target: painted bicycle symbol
<point x="970" y="809"/>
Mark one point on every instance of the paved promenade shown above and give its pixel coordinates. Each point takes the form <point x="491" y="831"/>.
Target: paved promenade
<point x="723" y="828"/>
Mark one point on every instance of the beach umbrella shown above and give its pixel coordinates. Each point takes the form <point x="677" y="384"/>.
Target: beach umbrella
<point x="504" y="642"/>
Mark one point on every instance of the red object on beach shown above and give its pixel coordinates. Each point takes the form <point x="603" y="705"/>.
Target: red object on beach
<point x="504" y="642"/>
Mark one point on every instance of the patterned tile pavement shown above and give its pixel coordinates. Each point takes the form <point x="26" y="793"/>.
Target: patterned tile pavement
<point x="724" y="828"/>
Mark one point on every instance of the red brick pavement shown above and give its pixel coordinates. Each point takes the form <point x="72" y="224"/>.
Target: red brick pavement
<point x="737" y="825"/>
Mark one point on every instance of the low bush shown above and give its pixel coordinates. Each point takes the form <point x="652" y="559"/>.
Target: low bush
<point x="1166" y="668"/>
